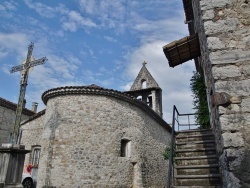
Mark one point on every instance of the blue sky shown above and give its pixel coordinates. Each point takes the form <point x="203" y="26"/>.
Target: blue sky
<point x="102" y="42"/>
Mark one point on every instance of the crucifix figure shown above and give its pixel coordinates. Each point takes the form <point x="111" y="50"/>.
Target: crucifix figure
<point x="29" y="62"/>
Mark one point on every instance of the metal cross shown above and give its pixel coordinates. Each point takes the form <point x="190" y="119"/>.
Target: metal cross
<point x="23" y="84"/>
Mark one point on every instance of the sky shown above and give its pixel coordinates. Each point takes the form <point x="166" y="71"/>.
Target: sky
<point x="102" y="42"/>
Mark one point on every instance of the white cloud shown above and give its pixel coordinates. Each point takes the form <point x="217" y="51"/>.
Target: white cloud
<point x="57" y="72"/>
<point x="7" y="8"/>
<point x="110" y="39"/>
<point x="41" y="9"/>
<point x="134" y="15"/>
<point x="3" y="52"/>
<point x="74" y="60"/>
<point x="88" y="6"/>
<point x="71" y="19"/>
<point x="74" y="20"/>
<point x="10" y="5"/>
<point x="61" y="67"/>
<point x="77" y="18"/>
<point x="110" y="14"/>
<point x="14" y="43"/>
<point x="70" y="26"/>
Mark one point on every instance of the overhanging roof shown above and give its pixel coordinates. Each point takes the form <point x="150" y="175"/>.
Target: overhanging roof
<point x="10" y="105"/>
<point x="180" y="51"/>
<point x="187" y="5"/>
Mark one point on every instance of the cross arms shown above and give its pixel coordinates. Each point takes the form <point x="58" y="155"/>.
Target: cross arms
<point x="31" y="64"/>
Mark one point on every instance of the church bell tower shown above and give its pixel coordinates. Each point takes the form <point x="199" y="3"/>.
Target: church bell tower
<point x="146" y="89"/>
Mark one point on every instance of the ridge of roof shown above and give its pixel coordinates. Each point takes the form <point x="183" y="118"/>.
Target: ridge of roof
<point x="34" y="116"/>
<point x="90" y="90"/>
<point x="144" y="75"/>
<point x="10" y="105"/>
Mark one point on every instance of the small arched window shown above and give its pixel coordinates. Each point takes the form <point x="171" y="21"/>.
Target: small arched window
<point x="35" y="155"/>
<point x="143" y="84"/>
<point x="139" y="97"/>
<point x="125" y="148"/>
<point x="149" y="101"/>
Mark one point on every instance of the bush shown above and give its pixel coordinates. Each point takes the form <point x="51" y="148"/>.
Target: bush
<point x="200" y="100"/>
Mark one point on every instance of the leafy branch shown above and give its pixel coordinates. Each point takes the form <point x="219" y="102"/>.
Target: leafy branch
<point x="200" y="100"/>
<point x="167" y="151"/>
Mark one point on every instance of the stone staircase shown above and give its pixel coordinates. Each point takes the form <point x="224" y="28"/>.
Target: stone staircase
<point x="196" y="162"/>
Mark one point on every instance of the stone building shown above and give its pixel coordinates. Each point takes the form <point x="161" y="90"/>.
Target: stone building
<point x="89" y="136"/>
<point x="219" y="42"/>
<point x="7" y="118"/>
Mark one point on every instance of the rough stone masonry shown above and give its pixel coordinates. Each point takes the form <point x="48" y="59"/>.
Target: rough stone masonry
<point x="81" y="134"/>
<point x="223" y="27"/>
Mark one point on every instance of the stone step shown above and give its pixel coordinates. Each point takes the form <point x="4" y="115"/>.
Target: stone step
<point x="198" y="180"/>
<point x="196" y="160"/>
<point x="195" y="152"/>
<point x="195" y="142"/>
<point x="201" y="144"/>
<point x="206" y="176"/>
<point x="197" y="166"/>
<point x="197" y="169"/>
<point x="194" y="132"/>
<point x="198" y="186"/>
<point x="197" y="163"/>
<point x="197" y="137"/>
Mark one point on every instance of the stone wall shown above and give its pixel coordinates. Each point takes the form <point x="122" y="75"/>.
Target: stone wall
<point x="81" y="141"/>
<point x="31" y="132"/>
<point x="224" y="34"/>
<point x="7" y="120"/>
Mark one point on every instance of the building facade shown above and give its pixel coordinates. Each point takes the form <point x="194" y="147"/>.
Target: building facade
<point x="7" y="118"/>
<point x="89" y="136"/>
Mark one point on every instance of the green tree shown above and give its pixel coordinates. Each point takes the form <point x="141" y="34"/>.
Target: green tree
<point x="200" y="100"/>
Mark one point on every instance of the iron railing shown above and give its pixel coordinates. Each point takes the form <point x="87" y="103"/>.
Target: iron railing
<point x="184" y="122"/>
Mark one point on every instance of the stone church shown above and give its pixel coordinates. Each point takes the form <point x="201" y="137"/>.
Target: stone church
<point x="89" y="136"/>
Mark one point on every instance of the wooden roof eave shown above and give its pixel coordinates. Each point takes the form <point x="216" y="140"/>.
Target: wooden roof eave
<point x="178" y="52"/>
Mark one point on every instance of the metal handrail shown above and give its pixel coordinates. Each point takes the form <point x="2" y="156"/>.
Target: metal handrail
<point x="170" y="163"/>
<point x="176" y="116"/>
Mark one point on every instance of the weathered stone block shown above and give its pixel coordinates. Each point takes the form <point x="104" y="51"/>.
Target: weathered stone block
<point x="233" y="158"/>
<point x="245" y="105"/>
<point x="208" y="14"/>
<point x="233" y="139"/>
<point x="237" y="167"/>
<point x="233" y="87"/>
<point x="234" y="108"/>
<point x="215" y="43"/>
<point x="229" y="71"/>
<point x="225" y="56"/>
<point x="230" y="180"/>
<point x="230" y="109"/>
<point x="236" y="100"/>
<point x="210" y="4"/>
<point x="220" y="99"/>
<point x="220" y="26"/>
<point x="246" y="70"/>
<point x="221" y="3"/>
<point x="231" y="122"/>
<point x="222" y="109"/>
